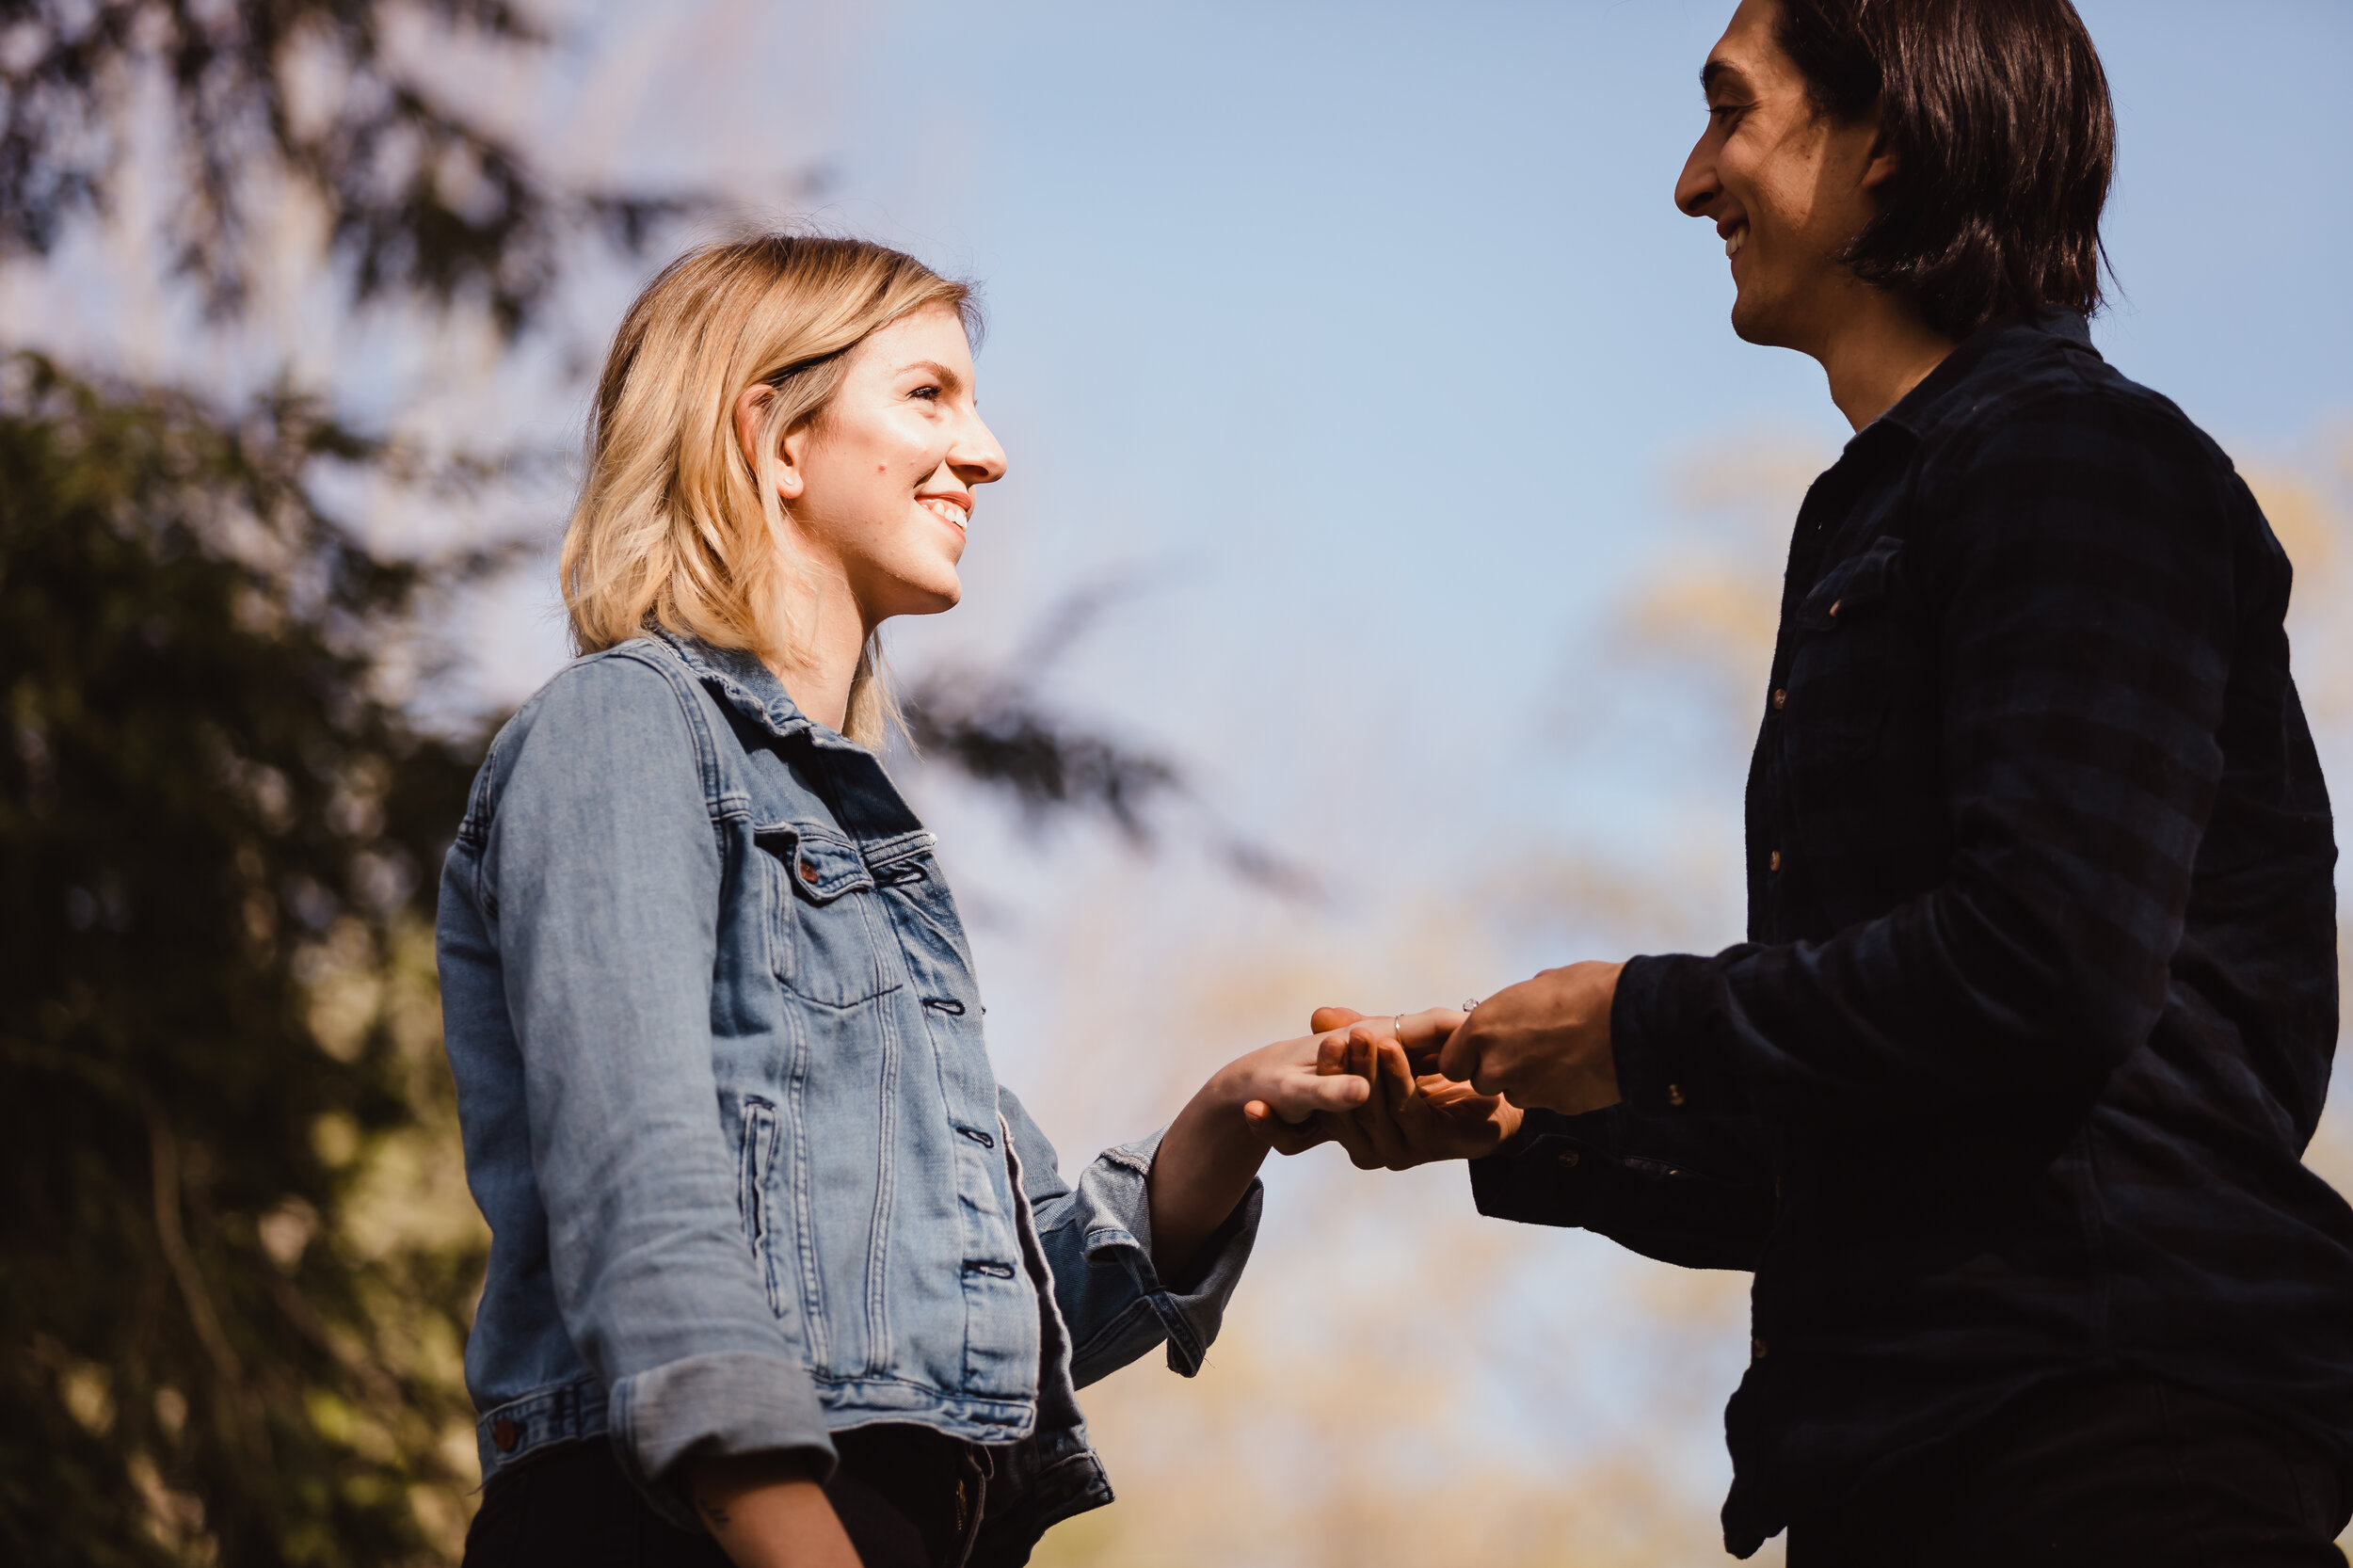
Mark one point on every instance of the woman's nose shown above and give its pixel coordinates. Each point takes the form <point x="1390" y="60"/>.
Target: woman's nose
<point x="977" y="459"/>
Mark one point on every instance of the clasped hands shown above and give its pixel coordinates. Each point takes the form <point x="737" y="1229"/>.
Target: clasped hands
<point x="1450" y="1084"/>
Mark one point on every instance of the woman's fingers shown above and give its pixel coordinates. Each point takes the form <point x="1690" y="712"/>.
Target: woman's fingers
<point x="1324" y="1019"/>
<point x="1280" y="1135"/>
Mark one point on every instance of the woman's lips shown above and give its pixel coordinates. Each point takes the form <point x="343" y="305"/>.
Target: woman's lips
<point x="946" y="510"/>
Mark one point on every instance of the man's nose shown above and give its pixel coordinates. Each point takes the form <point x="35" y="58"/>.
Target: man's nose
<point x="1696" y="191"/>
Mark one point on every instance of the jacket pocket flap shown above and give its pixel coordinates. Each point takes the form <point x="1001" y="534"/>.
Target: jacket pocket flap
<point x="1852" y="584"/>
<point x="820" y="866"/>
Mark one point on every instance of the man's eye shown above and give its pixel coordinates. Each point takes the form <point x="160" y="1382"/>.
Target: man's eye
<point x="1721" y="112"/>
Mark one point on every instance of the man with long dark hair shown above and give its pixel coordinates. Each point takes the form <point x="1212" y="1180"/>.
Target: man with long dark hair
<point x="2005" y="1099"/>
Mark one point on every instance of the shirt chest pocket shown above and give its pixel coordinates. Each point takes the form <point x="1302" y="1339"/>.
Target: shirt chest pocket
<point x="829" y="941"/>
<point x="1840" y="676"/>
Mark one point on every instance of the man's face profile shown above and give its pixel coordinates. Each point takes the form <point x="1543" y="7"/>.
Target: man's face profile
<point x="1786" y="189"/>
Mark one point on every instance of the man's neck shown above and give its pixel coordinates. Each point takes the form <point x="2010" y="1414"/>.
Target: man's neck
<point x="1875" y="350"/>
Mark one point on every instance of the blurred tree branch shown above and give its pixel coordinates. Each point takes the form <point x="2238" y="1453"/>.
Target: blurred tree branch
<point x="424" y="199"/>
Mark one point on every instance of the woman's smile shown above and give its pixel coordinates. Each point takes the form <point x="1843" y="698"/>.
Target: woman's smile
<point x="954" y="507"/>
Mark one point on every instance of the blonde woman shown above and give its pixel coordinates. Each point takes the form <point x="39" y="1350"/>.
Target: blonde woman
<point x="779" y="1274"/>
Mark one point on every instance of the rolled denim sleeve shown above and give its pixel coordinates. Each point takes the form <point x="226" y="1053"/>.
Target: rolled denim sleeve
<point x="603" y="869"/>
<point x="1098" y="1239"/>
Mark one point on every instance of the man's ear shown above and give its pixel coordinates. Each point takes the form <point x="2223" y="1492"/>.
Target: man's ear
<point x="1885" y="164"/>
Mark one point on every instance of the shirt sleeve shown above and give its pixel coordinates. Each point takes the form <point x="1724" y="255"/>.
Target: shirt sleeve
<point x="2084" y="589"/>
<point x="1695" y="1191"/>
<point x="1096" y="1235"/>
<point x="604" y="871"/>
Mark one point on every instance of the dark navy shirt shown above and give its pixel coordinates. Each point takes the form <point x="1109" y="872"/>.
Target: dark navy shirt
<point x="2013" y="1078"/>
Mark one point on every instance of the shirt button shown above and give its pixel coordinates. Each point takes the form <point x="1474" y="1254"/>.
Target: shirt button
<point x="1773" y="861"/>
<point x="1674" y="1093"/>
<point x="505" y="1434"/>
<point x="1781" y="697"/>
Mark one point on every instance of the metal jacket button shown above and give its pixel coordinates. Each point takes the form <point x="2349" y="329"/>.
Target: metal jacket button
<point x="1568" y="1156"/>
<point x="505" y="1434"/>
<point x="1773" y="861"/>
<point x="809" y="872"/>
<point x="1675" y="1096"/>
<point x="1781" y="697"/>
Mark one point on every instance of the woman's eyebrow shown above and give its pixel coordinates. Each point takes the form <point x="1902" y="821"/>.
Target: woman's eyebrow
<point x="937" y="370"/>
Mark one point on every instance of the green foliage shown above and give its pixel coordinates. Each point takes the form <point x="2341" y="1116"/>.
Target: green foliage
<point x="217" y="1033"/>
<point x="423" y="197"/>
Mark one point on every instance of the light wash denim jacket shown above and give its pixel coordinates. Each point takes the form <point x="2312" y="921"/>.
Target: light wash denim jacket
<point x="726" y="1107"/>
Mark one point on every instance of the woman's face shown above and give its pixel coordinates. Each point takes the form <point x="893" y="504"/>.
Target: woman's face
<point x="879" y="486"/>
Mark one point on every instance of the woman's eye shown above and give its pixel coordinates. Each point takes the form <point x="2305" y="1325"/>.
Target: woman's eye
<point x="930" y="394"/>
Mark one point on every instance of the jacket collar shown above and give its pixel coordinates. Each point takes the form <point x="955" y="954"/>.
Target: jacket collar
<point x="741" y="681"/>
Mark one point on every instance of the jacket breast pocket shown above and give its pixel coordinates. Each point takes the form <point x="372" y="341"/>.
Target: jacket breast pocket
<point x="828" y="941"/>
<point x="1840" y="674"/>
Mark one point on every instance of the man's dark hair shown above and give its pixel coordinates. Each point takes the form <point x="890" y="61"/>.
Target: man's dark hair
<point x="1998" y="112"/>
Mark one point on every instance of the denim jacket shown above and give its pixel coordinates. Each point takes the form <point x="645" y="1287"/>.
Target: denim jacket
<point x="749" y="1176"/>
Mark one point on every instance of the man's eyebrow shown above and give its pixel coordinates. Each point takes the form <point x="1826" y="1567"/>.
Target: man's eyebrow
<point x="1717" y="70"/>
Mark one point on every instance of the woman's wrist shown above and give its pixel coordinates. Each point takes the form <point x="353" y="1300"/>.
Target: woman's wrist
<point x="768" y="1511"/>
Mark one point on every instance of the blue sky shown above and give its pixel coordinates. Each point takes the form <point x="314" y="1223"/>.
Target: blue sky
<point x="1361" y="345"/>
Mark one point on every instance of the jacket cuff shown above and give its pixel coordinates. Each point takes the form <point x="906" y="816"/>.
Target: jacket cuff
<point x="1658" y="1038"/>
<point x="1188" y="1311"/>
<point x="704" y="1406"/>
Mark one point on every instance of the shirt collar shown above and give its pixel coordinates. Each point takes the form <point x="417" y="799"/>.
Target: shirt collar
<point x="750" y="687"/>
<point x="1918" y="409"/>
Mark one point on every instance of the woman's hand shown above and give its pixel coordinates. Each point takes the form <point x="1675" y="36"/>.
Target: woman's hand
<point x="1414" y="1113"/>
<point x="766" y="1510"/>
<point x="1214" y="1147"/>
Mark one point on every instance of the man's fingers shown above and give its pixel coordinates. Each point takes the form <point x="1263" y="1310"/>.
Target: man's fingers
<point x="1459" y="1058"/>
<point x="1324" y="1019"/>
<point x="1332" y="1053"/>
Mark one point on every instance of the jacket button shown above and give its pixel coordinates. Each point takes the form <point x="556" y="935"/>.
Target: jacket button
<point x="1773" y="861"/>
<point x="1781" y="697"/>
<point x="1568" y="1156"/>
<point x="505" y="1434"/>
<point x="809" y="872"/>
<point x="1756" y="1349"/>
<point x="1833" y="607"/>
<point x="1674" y="1093"/>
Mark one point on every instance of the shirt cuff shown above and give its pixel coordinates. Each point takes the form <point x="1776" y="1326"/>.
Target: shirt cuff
<point x="706" y="1406"/>
<point x="1657" y="1039"/>
<point x="1188" y="1311"/>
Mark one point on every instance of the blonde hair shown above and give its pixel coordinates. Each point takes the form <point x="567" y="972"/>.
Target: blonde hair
<point x="675" y="528"/>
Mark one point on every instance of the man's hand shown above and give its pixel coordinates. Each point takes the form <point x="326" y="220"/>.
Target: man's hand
<point x="1408" y="1119"/>
<point x="1542" y="1044"/>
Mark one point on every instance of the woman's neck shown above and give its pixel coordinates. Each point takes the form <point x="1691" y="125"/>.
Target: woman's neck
<point x="820" y="658"/>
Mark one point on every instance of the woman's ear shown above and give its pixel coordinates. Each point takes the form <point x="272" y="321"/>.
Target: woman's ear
<point x="751" y="418"/>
